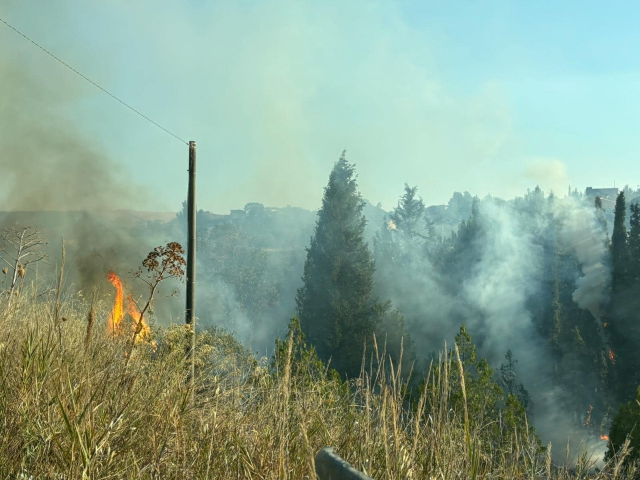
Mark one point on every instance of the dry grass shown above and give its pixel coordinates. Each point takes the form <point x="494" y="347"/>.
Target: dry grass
<point x="76" y="409"/>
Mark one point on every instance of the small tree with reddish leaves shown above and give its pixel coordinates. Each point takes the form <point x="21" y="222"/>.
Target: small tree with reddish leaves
<point x="162" y="263"/>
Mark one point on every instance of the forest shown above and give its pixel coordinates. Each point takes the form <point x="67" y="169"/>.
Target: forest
<point x="519" y="317"/>
<point x="454" y="296"/>
<point x="546" y="286"/>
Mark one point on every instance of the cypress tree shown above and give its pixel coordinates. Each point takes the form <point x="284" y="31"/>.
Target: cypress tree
<point x="619" y="243"/>
<point x="624" y="332"/>
<point x="602" y="220"/>
<point x="335" y="305"/>
<point x="631" y="299"/>
<point x="556" y="326"/>
<point x="598" y="202"/>
<point x="388" y="254"/>
<point x="634" y="244"/>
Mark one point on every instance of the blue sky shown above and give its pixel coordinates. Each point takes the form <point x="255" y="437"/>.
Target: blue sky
<point x="490" y="97"/>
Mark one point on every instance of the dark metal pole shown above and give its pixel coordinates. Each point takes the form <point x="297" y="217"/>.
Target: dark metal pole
<point x="191" y="254"/>
<point x="329" y="466"/>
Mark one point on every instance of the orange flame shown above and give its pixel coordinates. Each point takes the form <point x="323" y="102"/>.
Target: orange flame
<point x="117" y="313"/>
<point x="114" y="322"/>
<point x="139" y="321"/>
<point x="612" y="356"/>
<point x="604" y="437"/>
<point x="588" y="420"/>
<point x="392" y="225"/>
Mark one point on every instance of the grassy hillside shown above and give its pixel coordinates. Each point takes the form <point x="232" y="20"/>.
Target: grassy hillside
<point x="73" y="406"/>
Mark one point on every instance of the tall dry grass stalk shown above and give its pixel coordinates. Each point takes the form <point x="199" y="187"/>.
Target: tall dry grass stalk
<point x="91" y="320"/>
<point x="71" y="409"/>
<point x="58" y="305"/>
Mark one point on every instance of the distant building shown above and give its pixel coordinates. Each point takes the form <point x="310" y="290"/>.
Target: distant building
<point x="610" y="193"/>
<point x="436" y="211"/>
<point x="237" y="215"/>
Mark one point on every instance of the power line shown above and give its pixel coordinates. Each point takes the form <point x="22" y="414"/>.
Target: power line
<point x="91" y="81"/>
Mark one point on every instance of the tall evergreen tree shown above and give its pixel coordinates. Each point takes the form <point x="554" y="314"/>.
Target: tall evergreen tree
<point x="625" y="426"/>
<point x="634" y="244"/>
<point x="631" y="299"/>
<point x="598" y="202"/>
<point x="388" y="255"/>
<point x="408" y="215"/>
<point x="508" y="379"/>
<point x="625" y="331"/>
<point x="432" y="241"/>
<point x="465" y="252"/>
<point x="336" y="307"/>
<point x="619" y="251"/>
<point x="602" y="220"/>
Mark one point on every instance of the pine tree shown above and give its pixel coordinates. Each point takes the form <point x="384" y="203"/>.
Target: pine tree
<point x="385" y="245"/>
<point x="484" y="396"/>
<point x="409" y="212"/>
<point x="465" y="252"/>
<point x="625" y="425"/>
<point x="508" y="380"/>
<point x="602" y="219"/>
<point x="575" y="335"/>
<point x="619" y="251"/>
<point x="432" y="240"/>
<point x="387" y="254"/>
<point x="634" y="244"/>
<point x="303" y="360"/>
<point x="556" y="308"/>
<point x="633" y="270"/>
<point x="336" y="307"/>
<point x="624" y="331"/>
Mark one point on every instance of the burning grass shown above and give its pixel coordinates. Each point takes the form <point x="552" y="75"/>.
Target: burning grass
<point x="73" y="408"/>
<point x="117" y="315"/>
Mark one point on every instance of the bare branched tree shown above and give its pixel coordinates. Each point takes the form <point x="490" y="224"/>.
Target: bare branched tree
<point x="162" y="263"/>
<point x="21" y="250"/>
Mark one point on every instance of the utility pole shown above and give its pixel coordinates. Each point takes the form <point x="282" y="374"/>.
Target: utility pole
<point x="191" y="258"/>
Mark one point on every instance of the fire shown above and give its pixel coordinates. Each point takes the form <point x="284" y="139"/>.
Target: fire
<point x="605" y="324"/>
<point x="114" y="322"/>
<point x="604" y="437"/>
<point x="117" y="313"/>
<point x="392" y="225"/>
<point x="588" y="420"/>
<point x="136" y="315"/>
<point x="612" y="356"/>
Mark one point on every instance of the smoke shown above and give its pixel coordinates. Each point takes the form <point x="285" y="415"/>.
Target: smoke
<point x="270" y="91"/>
<point x="549" y="173"/>
<point x="582" y="233"/>
<point x="46" y="164"/>
<point x="498" y="285"/>
<point x="294" y="98"/>
<point x="57" y="179"/>
<point x="507" y="275"/>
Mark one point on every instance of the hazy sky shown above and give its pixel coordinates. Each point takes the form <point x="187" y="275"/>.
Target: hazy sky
<point x="485" y="96"/>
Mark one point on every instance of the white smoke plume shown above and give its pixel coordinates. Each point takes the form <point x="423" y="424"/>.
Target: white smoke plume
<point x="500" y="294"/>
<point x="582" y="232"/>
